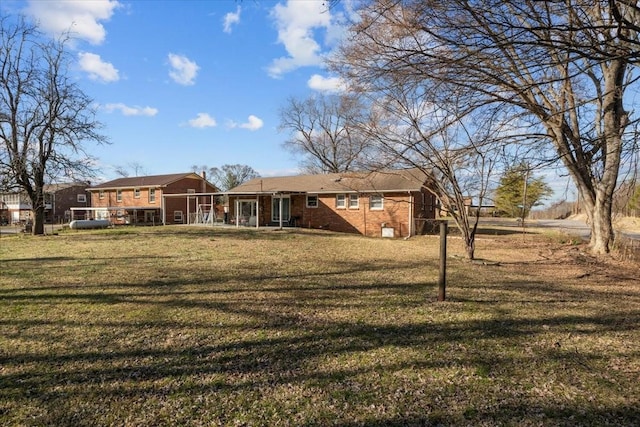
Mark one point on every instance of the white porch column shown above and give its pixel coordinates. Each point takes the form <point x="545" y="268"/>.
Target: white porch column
<point x="411" y="214"/>
<point x="257" y="211"/>
<point x="237" y="212"/>
<point x="164" y="210"/>
<point x="280" y="217"/>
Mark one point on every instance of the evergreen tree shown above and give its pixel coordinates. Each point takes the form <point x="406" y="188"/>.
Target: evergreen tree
<point x="512" y="193"/>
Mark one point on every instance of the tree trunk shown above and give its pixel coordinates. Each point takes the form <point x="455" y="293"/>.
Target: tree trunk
<point x="36" y="195"/>
<point x="602" y="234"/>
<point x="38" y="221"/>
<point x="470" y="247"/>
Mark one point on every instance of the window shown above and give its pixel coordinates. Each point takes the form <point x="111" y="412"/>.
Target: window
<point x="101" y="194"/>
<point x="341" y="201"/>
<point x="136" y="193"/>
<point x="81" y="198"/>
<point x="191" y="190"/>
<point x="152" y="195"/>
<point x="312" y="200"/>
<point x="354" y="201"/>
<point x="375" y="202"/>
<point x="177" y="216"/>
<point x="118" y="195"/>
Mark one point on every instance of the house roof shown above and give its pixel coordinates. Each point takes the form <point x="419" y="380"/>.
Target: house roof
<point x="145" y="181"/>
<point x="52" y="188"/>
<point x="346" y="182"/>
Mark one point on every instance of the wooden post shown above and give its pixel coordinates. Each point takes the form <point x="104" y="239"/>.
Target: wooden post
<point x="442" y="281"/>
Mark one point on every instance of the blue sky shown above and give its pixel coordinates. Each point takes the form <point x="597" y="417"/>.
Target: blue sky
<point x="182" y="83"/>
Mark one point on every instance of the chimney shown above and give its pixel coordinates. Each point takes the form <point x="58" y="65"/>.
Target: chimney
<point x="204" y="182"/>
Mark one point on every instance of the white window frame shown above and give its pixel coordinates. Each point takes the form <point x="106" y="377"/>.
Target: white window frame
<point x="118" y="195"/>
<point x="81" y="198"/>
<point x="101" y="194"/>
<point x="176" y="215"/>
<point x="152" y="195"/>
<point x="354" y="198"/>
<point x="275" y="206"/>
<point x="136" y="193"/>
<point x="312" y="197"/>
<point x="341" y="201"/>
<point x="374" y="205"/>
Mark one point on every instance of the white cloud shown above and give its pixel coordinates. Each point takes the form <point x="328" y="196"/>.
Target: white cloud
<point x="231" y="19"/>
<point x="296" y="22"/>
<point x="131" y="111"/>
<point x="253" y="123"/>
<point x="183" y="70"/>
<point x="203" y="120"/>
<point x="80" y="18"/>
<point x="326" y="84"/>
<point x="97" y="68"/>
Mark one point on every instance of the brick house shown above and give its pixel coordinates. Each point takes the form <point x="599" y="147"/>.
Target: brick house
<point x="153" y="200"/>
<point x="386" y="203"/>
<point x="15" y="207"/>
<point x="60" y="198"/>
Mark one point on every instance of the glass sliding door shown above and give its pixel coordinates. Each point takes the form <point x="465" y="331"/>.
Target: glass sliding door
<point x="247" y="212"/>
<point x="275" y="208"/>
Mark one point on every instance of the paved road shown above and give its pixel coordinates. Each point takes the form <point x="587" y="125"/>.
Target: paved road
<point x="569" y="226"/>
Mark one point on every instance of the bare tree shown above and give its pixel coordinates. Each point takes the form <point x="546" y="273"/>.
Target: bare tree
<point x="228" y="176"/>
<point x="454" y="147"/>
<point x="44" y="116"/>
<point x="323" y="132"/>
<point x="125" y="170"/>
<point x="565" y="66"/>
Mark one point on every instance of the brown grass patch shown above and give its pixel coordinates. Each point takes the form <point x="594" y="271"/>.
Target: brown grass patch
<point x="177" y="326"/>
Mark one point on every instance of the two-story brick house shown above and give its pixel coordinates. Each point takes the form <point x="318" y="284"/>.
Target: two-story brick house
<point x="59" y="199"/>
<point x="145" y="199"/>
<point x="387" y="203"/>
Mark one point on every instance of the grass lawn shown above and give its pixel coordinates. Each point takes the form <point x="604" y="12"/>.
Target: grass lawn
<point x="186" y="326"/>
